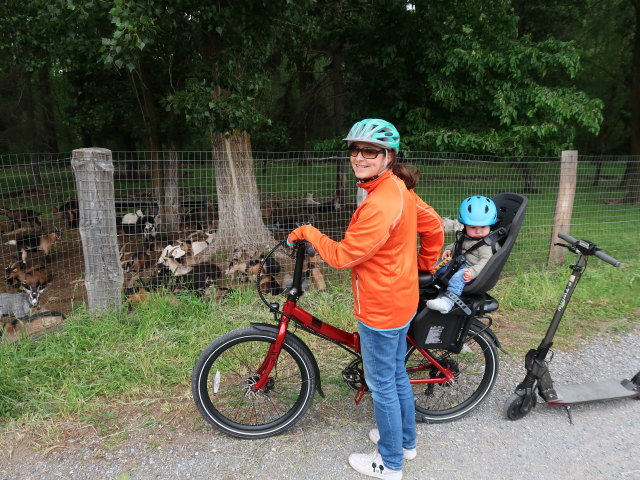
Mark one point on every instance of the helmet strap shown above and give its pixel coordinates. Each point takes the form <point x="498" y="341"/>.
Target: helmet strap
<point x="384" y="169"/>
<point x="371" y="179"/>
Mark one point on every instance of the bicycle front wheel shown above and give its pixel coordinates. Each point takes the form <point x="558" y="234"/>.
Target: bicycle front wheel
<point x="226" y="371"/>
<point x="475" y="371"/>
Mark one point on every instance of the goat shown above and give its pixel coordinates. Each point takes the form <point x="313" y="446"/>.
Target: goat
<point x="451" y="224"/>
<point x="313" y="206"/>
<point x="19" y="305"/>
<point x="131" y="223"/>
<point x="69" y="212"/>
<point x="38" y="323"/>
<point x="191" y="277"/>
<point x="135" y="261"/>
<point x="42" y="243"/>
<point x="17" y="274"/>
<point x="20" y="216"/>
<point x="195" y="247"/>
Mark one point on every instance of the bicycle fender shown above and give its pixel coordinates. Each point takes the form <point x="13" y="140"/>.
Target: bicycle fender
<point x="477" y="323"/>
<point x="303" y="346"/>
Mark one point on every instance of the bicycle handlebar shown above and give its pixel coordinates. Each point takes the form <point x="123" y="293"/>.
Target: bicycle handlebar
<point x="589" y="248"/>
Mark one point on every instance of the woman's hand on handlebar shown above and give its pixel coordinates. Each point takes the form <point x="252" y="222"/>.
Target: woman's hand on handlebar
<point x="295" y="236"/>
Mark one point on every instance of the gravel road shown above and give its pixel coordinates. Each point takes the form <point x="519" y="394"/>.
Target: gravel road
<point x="603" y="443"/>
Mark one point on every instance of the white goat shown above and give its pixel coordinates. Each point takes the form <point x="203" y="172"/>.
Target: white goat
<point x="132" y="218"/>
<point x="451" y="224"/>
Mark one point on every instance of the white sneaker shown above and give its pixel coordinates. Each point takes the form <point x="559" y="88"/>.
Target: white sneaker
<point x="440" y="304"/>
<point x="407" y="454"/>
<point x="371" y="464"/>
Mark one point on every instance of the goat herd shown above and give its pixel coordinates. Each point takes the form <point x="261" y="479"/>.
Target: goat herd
<point x="150" y="259"/>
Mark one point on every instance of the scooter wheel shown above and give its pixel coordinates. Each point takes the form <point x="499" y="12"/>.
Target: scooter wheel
<point x="513" y="407"/>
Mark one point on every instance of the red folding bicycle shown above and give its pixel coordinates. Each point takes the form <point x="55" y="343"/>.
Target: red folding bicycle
<point x="258" y="381"/>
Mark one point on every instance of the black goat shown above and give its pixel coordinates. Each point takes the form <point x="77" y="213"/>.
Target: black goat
<point x="69" y="212"/>
<point x="18" y="217"/>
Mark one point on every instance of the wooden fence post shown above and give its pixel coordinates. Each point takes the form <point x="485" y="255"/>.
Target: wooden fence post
<point x="564" y="204"/>
<point x="93" y="169"/>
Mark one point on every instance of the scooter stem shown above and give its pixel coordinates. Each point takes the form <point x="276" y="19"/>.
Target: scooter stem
<point x="576" y="274"/>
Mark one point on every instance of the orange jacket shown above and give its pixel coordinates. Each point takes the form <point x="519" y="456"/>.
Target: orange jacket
<point x="379" y="247"/>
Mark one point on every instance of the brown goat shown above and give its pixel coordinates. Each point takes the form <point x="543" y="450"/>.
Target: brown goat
<point x="17" y="275"/>
<point x="42" y="243"/>
<point x="135" y="261"/>
<point x="20" y="216"/>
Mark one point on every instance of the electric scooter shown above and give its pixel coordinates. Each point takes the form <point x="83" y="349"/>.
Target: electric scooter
<point x="520" y="403"/>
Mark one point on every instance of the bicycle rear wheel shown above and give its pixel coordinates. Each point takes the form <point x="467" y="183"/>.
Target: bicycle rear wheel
<point x="475" y="371"/>
<point x="226" y="370"/>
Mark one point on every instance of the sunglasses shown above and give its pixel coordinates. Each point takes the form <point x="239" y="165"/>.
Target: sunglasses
<point x="367" y="152"/>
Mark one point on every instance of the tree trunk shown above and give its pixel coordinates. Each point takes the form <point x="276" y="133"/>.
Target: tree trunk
<point x="240" y="223"/>
<point x="631" y="179"/>
<point x="50" y="137"/>
<point x="528" y="179"/>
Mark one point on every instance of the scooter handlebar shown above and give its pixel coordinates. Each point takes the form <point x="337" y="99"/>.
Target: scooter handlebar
<point x="567" y="238"/>
<point x="598" y="253"/>
<point x="607" y="258"/>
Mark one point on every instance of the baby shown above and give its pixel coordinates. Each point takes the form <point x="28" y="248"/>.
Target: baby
<point x="463" y="260"/>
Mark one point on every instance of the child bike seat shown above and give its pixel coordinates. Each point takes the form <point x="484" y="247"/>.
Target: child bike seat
<point x="511" y="209"/>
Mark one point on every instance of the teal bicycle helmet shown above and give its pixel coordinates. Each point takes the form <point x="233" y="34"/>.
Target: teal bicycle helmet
<point x="376" y="131"/>
<point x="478" y="211"/>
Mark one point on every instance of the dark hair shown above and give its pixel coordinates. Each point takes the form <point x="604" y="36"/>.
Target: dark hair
<point x="407" y="173"/>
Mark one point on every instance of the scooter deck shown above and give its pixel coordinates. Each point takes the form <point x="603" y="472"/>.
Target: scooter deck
<point x="591" y="391"/>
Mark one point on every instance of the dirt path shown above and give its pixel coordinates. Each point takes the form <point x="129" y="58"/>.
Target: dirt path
<point x="160" y="441"/>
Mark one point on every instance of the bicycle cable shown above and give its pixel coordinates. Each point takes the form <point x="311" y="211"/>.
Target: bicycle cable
<point x="276" y="311"/>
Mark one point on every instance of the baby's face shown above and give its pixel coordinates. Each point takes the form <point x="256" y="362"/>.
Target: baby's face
<point x="477" y="232"/>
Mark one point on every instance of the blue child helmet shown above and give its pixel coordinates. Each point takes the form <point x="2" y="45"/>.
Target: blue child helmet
<point x="478" y="211"/>
<point x="376" y="131"/>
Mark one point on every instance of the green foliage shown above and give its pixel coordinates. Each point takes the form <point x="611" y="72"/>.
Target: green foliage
<point x="505" y="77"/>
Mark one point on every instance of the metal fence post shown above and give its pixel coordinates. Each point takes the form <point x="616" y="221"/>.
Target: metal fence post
<point x="564" y="204"/>
<point x="93" y="169"/>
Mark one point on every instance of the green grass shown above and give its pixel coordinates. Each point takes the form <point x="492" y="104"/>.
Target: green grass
<point x="123" y="357"/>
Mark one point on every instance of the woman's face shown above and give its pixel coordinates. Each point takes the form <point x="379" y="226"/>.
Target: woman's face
<point x="367" y="167"/>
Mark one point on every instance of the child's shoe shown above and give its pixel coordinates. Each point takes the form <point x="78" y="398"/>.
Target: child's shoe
<point x="440" y="304"/>
<point x="407" y="454"/>
<point x="371" y="464"/>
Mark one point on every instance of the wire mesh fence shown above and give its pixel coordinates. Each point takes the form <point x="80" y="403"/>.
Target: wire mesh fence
<point x="174" y="198"/>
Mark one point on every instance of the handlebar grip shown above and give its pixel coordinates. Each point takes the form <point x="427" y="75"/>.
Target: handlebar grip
<point x="567" y="238"/>
<point x="607" y="258"/>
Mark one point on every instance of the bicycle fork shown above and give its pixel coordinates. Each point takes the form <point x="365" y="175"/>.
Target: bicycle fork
<point x="270" y="360"/>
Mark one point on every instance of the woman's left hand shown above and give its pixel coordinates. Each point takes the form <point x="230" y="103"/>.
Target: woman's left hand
<point x="296" y="235"/>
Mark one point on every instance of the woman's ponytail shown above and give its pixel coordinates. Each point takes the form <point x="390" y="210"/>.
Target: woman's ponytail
<point x="408" y="173"/>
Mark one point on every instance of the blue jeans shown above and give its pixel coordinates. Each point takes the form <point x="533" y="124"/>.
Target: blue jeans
<point x="456" y="282"/>
<point x="383" y="353"/>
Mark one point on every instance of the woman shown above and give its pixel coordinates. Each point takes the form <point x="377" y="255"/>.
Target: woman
<point x="379" y="247"/>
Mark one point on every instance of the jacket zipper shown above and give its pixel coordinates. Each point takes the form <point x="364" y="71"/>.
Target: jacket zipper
<point x="357" y="294"/>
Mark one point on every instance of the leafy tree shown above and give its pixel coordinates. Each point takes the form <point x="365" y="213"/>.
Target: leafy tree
<point x="208" y="65"/>
<point x="460" y="77"/>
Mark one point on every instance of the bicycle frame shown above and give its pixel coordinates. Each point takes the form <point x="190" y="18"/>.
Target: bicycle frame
<point x="349" y="340"/>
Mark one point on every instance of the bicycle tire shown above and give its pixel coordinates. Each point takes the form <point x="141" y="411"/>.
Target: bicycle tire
<point x="225" y="370"/>
<point x="476" y="370"/>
